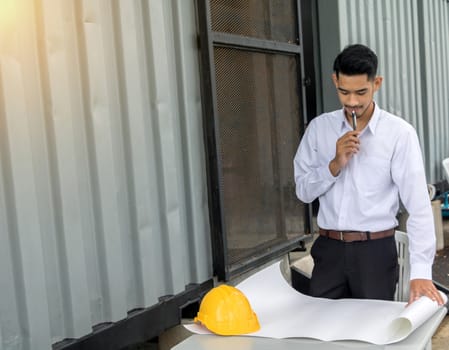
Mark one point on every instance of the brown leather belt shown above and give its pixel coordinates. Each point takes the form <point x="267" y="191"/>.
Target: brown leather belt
<point x="356" y="236"/>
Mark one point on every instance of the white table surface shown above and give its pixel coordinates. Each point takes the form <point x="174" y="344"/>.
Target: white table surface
<point x="415" y="341"/>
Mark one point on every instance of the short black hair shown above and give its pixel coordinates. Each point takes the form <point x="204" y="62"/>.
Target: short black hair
<point x="356" y="59"/>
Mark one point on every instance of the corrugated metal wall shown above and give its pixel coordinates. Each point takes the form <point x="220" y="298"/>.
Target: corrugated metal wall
<point x="103" y="197"/>
<point x="411" y="39"/>
<point x="435" y="60"/>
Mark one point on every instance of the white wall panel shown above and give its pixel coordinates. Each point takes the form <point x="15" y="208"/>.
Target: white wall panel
<point x="103" y="191"/>
<point x="435" y="39"/>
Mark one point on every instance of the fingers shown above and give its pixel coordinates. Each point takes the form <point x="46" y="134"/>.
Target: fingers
<point x="348" y="143"/>
<point x="350" y="138"/>
<point x="430" y="292"/>
<point x="347" y="146"/>
<point x="435" y="295"/>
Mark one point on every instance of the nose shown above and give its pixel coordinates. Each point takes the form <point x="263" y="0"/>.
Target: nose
<point x="353" y="100"/>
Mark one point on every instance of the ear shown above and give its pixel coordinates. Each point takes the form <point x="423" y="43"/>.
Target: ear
<point x="378" y="82"/>
<point x="335" y="79"/>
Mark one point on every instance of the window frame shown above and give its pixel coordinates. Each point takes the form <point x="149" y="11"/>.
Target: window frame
<point x="304" y="52"/>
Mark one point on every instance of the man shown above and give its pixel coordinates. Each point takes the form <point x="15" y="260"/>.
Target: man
<point x="358" y="170"/>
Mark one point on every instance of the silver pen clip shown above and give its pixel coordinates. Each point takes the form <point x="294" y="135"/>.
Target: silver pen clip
<point x="354" y="120"/>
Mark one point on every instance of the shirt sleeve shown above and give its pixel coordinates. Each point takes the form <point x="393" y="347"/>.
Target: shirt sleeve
<point x="409" y="175"/>
<point x="312" y="173"/>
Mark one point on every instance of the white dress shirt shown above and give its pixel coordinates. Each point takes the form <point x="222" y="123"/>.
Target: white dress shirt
<point x="365" y="194"/>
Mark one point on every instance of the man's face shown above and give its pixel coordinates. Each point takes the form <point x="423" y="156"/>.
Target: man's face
<point x="356" y="92"/>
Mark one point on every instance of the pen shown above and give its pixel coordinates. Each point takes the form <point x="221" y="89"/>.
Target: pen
<point x="354" y="120"/>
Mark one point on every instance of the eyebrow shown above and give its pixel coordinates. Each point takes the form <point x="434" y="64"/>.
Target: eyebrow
<point x="356" y="91"/>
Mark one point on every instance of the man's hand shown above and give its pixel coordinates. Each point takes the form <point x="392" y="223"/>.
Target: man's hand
<point x="422" y="287"/>
<point x="346" y="147"/>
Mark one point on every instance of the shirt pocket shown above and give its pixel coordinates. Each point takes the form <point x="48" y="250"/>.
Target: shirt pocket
<point x="373" y="175"/>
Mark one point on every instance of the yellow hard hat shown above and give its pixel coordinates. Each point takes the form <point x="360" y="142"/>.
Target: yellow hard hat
<point x="225" y="310"/>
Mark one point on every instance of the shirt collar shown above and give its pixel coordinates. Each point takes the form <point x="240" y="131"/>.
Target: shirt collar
<point x="372" y="123"/>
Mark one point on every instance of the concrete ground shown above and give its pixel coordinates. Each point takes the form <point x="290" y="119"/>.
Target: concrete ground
<point x="440" y="340"/>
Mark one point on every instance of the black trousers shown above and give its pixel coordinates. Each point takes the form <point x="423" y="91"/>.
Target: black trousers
<point x="364" y="270"/>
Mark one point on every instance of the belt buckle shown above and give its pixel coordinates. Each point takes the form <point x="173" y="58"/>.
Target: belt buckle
<point x="341" y="236"/>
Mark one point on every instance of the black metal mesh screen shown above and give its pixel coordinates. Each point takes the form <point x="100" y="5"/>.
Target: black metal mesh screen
<point x="259" y="118"/>
<point x="263" y="19"/>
